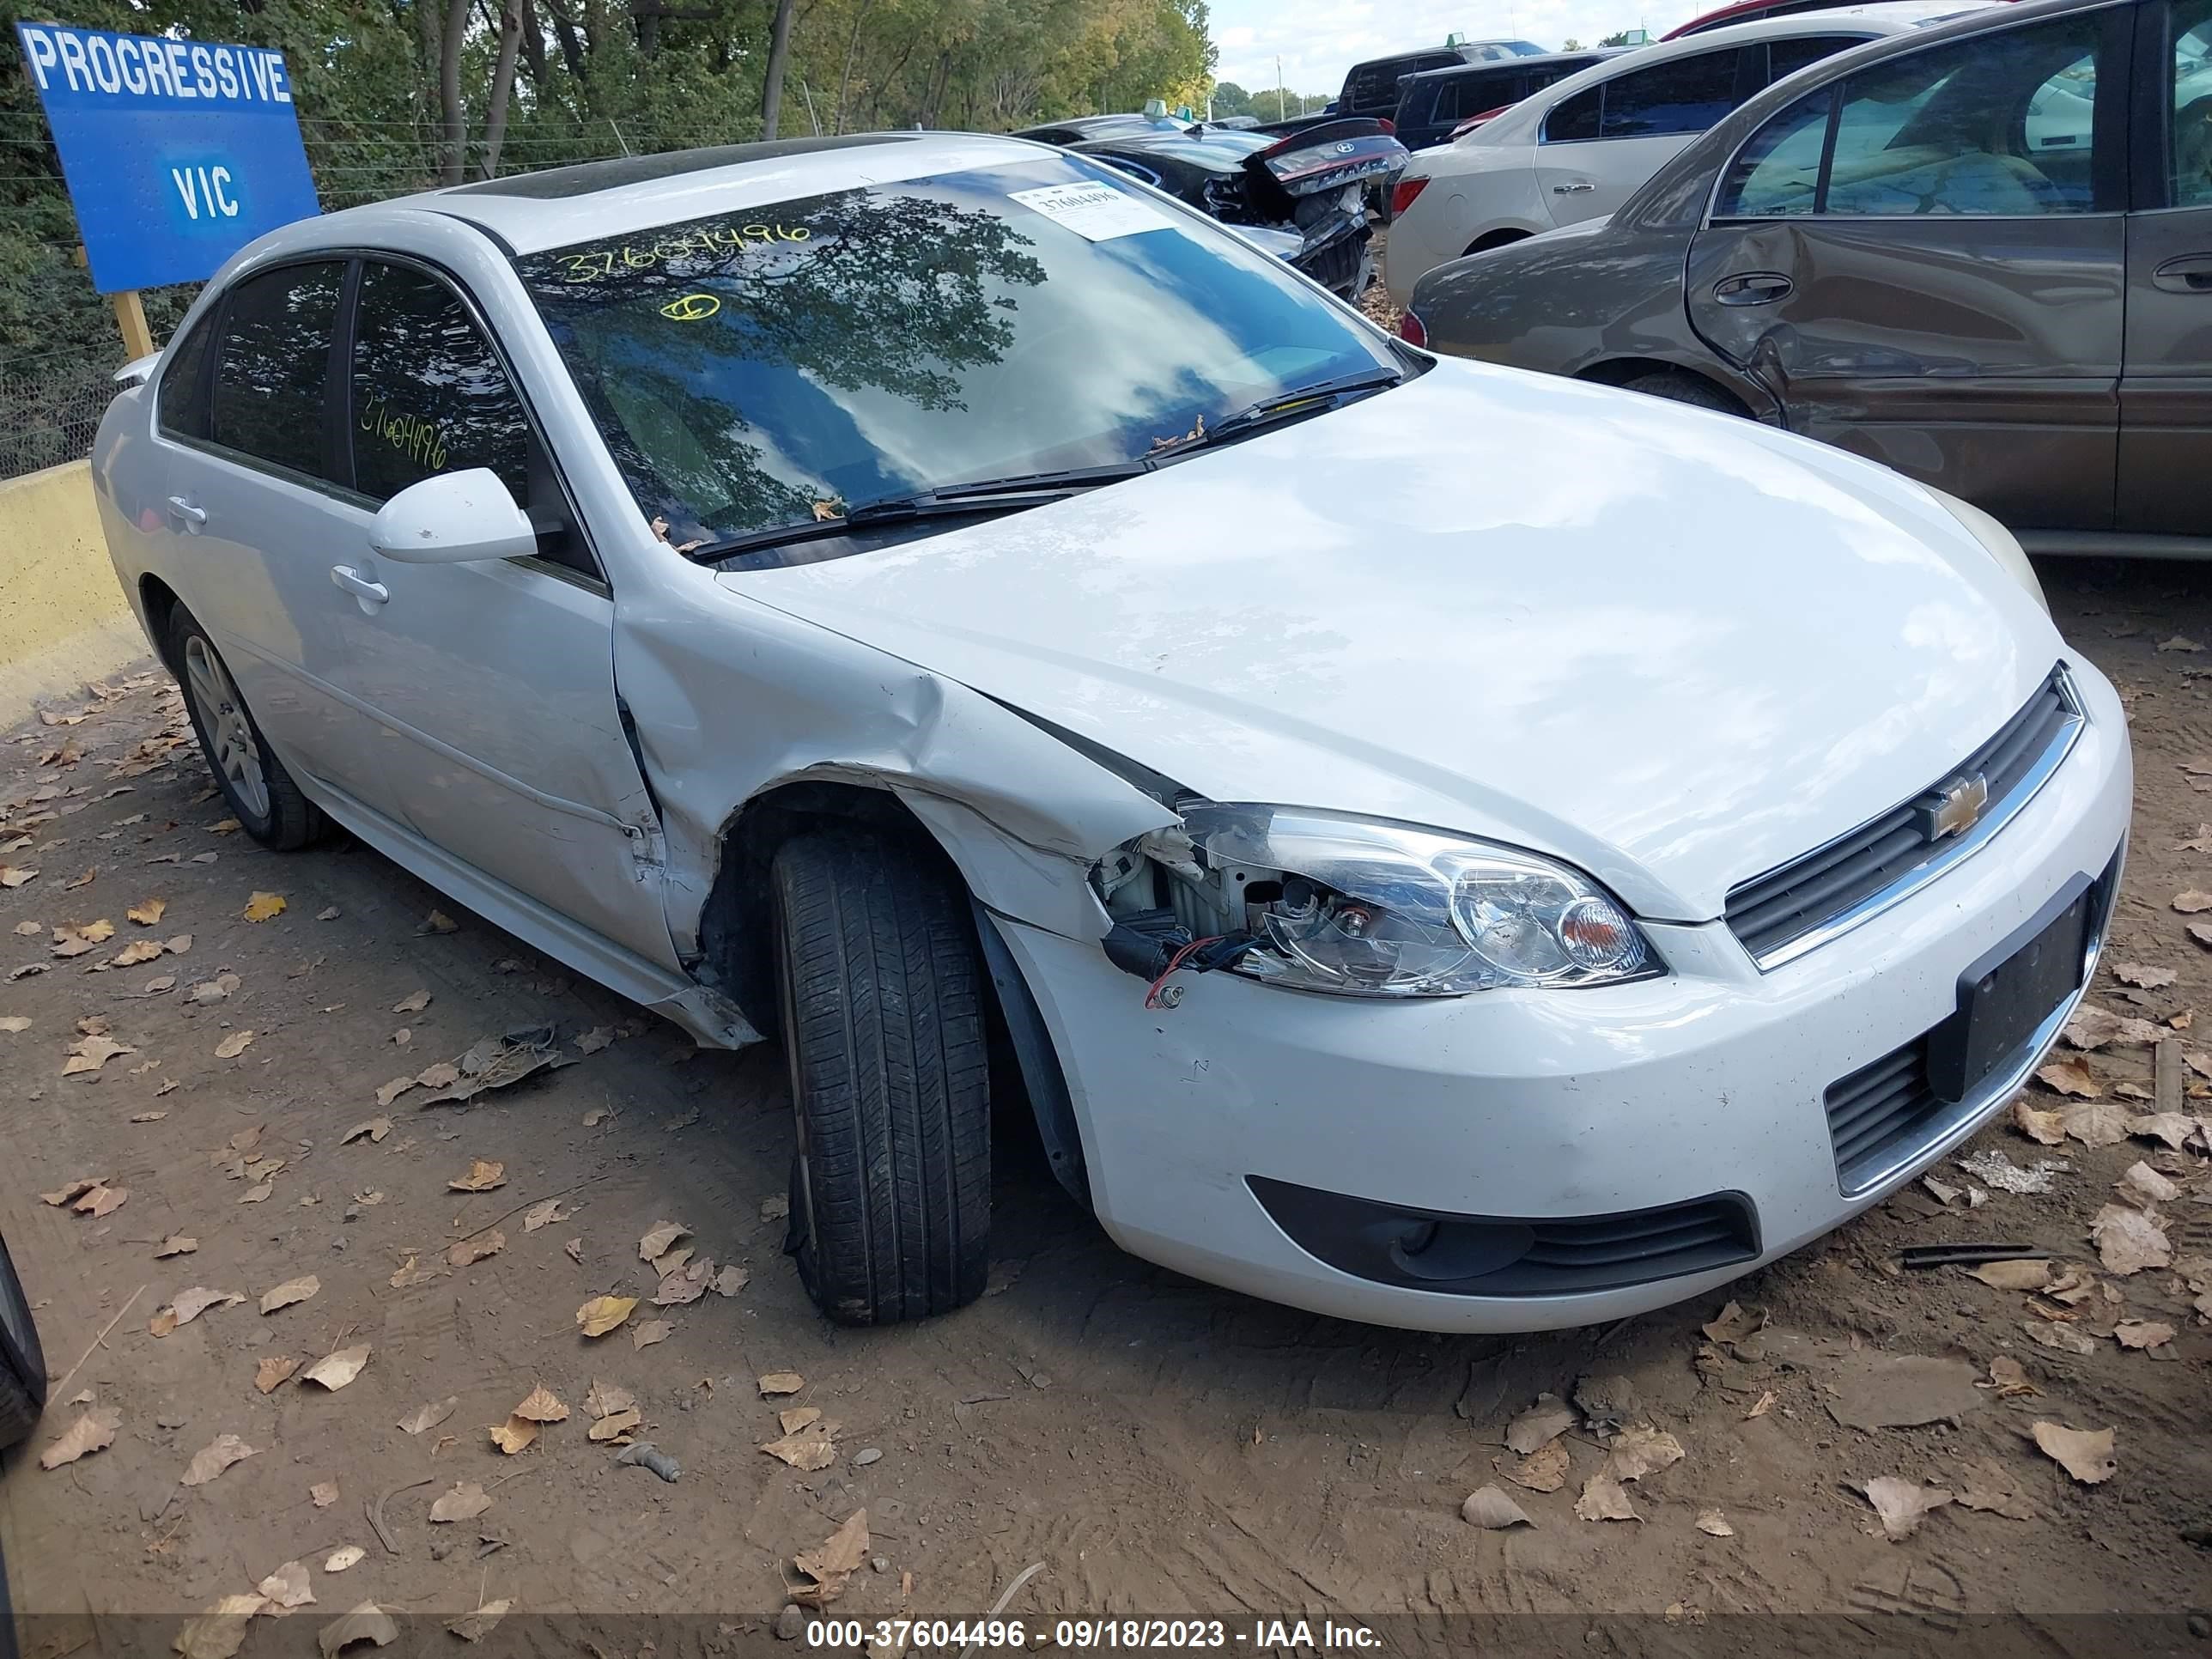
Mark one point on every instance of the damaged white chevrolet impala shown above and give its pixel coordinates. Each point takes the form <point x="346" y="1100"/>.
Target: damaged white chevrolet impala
<point x="1433" y="845"/>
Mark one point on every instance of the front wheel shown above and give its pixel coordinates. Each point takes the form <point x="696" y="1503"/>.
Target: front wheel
<point x="880" y="994"/>
<point x="22" y="1363"/>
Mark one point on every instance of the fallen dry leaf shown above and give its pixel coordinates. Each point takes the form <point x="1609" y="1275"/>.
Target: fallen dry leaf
<point x="413" y="1003"/>
<point x="615" y="1425"/>
<point x="1764" y="1404"/>
<point x="1604" y="1498"/>
<point x="176" y="1245"/>
<point x="391" y="1091"/>
<point x="832" y="1561"/>
<point x="730" y="1281"/>
<point x="291" y="1290"/>
<point x="93" y="1430"/>
<point x="427" y="1417"/>
<point x="1637" y="1452"/>
<point x="74" y="1189"/>
<point x="339" y="1560"/>
<point x="2024" y="1275"/>
<point x="2085" y="1454"/>
<point x="2142" y="1333"/>
<point x="657" y="1238"/>
<point x="2174" y="1128"/>
<point x="212" y="1459"/>
<point x="543" y="1214"/>
<point x="366" y="1623"/>
<point x="465" y="1251"/>
<point x="233" y="1045"/>
<point x="191" y="1304"/>
<point x="776" y="1382"/>
<point x="574" y="1250"/>
<point x="807" y="1448"/>
<point x="2099" y="1123"/>
<point x="411" y="1273"/>
<point x="606" y="1399"/>
<point x="138" y="950"/>
<point x="2193" y="901"/>
<point x="101" y="1201"/>
<point x="220" y="1631"/>
<point x="516" y="1434"/>
<point x="333" y="1371"/>
<point x="1536" y="1428"/>
<point x="795" y="1417"/>
<point x="2046" y="1129"/>
<point x="465" y="1503"/>
<point x="2067" y="1077"/>
<point x="475" y="1626"/>
<point x="687" y="1284"/>
<point x="287" y="1586"/>
<point x="2144" y="1186"/>
<point x="2128" y="1240"/>
<point x="148" y="913"/>
<point x="595" y="1039"/>
<point x="2145" y="975"/>
<point x="12" y="876"/>
<point x="1714" y="1524"/>
<point x="272" y="1370"/>
<point x="1902" y="1503"/>
<point x="264" y="906"/>
<point x="438" y="922"/>
<point x="89" y="1053"/>
<point x="603" y="1313"/>
<point x="653" y="1331"/>
<point x="484" y="1175"/>
<point x="540" y="1405"/>
<point x="1489" y="1508"/>
<point x="1989" y="1486"/>
<point x="1543" y="1469"/>
<point x="374" y="1127"/>
<point x="2009" y="1377"/>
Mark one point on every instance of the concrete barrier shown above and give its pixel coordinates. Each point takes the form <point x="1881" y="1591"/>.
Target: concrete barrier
<point x="63" y="619"/>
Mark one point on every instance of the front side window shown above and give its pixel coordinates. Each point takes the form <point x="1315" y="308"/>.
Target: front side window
<point x="2191" y="149"/>
<point x="1785" y="57"/>
<point x="1995" y="125"/>
<point x="430" y="394"/>
<point x="273" y="373"/>
<point x="1686" y="95"/>
<point x="754" y="370"/>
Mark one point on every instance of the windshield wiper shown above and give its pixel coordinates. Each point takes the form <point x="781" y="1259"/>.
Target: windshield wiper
<point x="1313" y="399"/>
<point x="973" y="499"/>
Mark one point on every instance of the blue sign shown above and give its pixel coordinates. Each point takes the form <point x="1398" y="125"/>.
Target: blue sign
<point x="178" y="152"/>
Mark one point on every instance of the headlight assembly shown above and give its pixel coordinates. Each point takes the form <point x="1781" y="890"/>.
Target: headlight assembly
<point x="1318" y="901"/>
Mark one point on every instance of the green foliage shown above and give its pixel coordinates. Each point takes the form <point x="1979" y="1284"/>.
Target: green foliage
<point x="1619" y="39"/>
<point x="594" y="78"/>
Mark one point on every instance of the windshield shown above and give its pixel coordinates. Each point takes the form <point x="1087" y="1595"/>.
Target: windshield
<point x="780" y="365"/>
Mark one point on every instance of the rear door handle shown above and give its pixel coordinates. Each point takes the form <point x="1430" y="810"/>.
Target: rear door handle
<point x="1756" y="288"/>
<point x="1572" y="190"/>
<point x="371" y="595"/>
<point x="2191" y="274"/>
<point x="181" y="507"/>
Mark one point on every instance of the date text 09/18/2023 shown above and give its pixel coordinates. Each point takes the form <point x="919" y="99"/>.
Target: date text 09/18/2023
<point x="1257" y="1635"/>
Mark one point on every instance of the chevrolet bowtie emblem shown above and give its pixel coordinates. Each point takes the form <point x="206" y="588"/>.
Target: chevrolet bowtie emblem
<point x="1957" y="807"/>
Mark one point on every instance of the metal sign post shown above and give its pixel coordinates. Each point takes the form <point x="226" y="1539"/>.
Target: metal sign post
<point x="177" y="154"/>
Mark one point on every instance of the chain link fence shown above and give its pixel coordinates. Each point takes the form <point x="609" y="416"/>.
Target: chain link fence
<point x="51" y="402"/>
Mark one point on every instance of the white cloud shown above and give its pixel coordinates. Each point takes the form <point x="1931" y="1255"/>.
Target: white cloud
<point x="1319" y="39"/>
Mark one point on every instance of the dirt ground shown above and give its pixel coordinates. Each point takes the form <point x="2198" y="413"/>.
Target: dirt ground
<point x="1160" y="1447"/>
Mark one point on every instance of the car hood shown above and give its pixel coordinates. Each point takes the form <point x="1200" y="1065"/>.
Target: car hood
<point x="1675" y="648"/>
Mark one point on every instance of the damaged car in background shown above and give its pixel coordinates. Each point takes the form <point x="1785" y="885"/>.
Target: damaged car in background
<point x="1300" y="194"/>
<point x="1466" y="907"/>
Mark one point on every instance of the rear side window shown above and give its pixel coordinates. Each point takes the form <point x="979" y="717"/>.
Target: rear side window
<point x="1785" y="57"/>
<point x="181" y="406"/>
<point x="430" y="394"/>
<point x="1685" y="97"/>
<point x="1778" y="173"/>
<point x="1575" y="118"/>
<point x="2192" y="104"/>
<point x="273" y="373"/>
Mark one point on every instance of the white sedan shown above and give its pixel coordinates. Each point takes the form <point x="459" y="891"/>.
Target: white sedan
<point x="886" y="591"/>
<point x="1581" y="147"/>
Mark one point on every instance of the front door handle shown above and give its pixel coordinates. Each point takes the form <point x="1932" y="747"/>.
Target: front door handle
<point x="1755" y="287"/>
<point x="1572" y="190"/>
<point x="182" y="508"/>
<point x="371" y="595"/>
<point x="2191" y="274"/>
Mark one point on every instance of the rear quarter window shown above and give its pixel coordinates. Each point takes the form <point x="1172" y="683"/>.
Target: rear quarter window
<point x="180" y="406"/>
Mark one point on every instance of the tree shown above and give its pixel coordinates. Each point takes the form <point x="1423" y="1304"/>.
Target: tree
<point x="1230" y="98"/>
<point x="1570" y="44"/>
<point x="1616" y="40"/>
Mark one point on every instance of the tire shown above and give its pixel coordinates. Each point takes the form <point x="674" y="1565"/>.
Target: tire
<point x="261" y="793"/>
<point x="1681" y="387"/>
<point x="22" y="1362"/>
<point x="880" y="993"/>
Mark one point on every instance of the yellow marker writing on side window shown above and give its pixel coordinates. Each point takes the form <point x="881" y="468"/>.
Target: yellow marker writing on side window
<point x="692" y="308"/>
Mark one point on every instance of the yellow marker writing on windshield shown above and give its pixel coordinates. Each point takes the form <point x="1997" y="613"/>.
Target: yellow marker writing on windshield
<point x="692" y="308"/>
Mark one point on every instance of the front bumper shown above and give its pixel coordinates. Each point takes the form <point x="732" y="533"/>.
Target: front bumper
<point x="1705" y="1085"/>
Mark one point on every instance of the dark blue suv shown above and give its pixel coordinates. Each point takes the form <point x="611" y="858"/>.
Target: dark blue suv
<point x="1433" y="103"/>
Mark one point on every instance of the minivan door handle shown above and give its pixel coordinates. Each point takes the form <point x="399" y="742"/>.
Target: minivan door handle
<point x="2191" y="274"/>
<point x="183" y="509"/>
<point x="1754" y="288"/>
<point x="370" y="594"/>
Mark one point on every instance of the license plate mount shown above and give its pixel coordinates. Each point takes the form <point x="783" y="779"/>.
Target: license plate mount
<point x="2010" y="992"/>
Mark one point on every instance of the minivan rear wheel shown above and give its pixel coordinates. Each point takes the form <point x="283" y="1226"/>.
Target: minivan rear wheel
<point x="880" y="995"/>
<point x="262" y="796"/>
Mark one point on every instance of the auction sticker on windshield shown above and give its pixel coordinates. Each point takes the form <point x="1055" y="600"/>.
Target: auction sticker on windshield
<point x="1096" y="212"/>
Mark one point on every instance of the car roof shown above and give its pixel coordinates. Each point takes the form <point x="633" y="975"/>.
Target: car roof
<point x="558" y="207"/>
<point x="1498" y="65"/>
<point x="1889" y="17"/>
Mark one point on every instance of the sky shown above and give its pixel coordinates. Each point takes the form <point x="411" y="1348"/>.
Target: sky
<point x="1319" y="39"/>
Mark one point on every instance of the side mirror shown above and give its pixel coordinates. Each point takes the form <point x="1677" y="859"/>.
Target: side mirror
<point x="453" y="518"/>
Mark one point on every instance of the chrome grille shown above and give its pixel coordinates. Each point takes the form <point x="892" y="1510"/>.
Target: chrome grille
<point x="1788" y="911"/>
